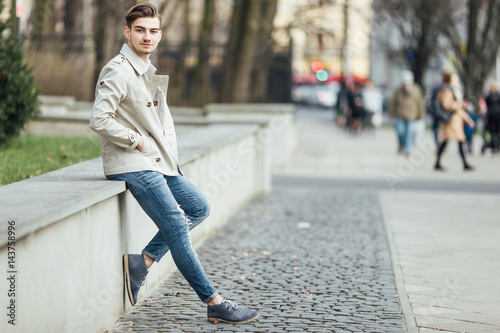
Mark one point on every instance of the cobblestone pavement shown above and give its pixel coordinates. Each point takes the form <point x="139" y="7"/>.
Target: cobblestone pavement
<point x="309" y="259"/>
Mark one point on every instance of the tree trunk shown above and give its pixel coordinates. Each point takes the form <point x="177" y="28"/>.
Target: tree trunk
<point x="13" y="17"/>
<point x="481" y="53"/>
<point x="72" y="10"/>
<point x="239" y="59"/>
<point x="422" y="53"/>
<point x="40" y="20"/>
<point x="264" y="52"/>
<point x="203" y="88"/>
<point x="178" y="83"/>
<point x="108" y="33"/>
<point x="73" y="25"/>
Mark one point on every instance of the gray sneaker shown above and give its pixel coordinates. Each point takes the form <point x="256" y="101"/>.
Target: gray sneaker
<point x="134" y="267"/>
<point x="229" y="312"/>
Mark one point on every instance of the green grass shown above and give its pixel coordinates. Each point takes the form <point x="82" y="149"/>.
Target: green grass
<point x="28" y="156"/>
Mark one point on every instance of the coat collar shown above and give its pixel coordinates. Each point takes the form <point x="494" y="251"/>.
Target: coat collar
<point x="152" y="81"/>
<point x="136" y="61"/>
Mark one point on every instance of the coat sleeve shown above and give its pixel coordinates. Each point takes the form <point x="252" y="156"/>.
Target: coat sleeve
<point x="463" y="115"/>
<point x="111" y="89"/>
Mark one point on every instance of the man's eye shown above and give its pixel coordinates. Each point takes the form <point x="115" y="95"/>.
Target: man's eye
<point x="139" y="30"/>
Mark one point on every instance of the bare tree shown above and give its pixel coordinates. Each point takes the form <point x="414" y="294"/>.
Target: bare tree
<point x="203" y="88"/>
<point x="239" y="59"/>
<point x="72" y="17"/>
<point x="476" y="48"/>
<point x="179" y="76"/>
<point x="246" y="49"/>
<point x="108" y="33"/>
<point x="420" y="23"/>
<point x="264" y="50"/>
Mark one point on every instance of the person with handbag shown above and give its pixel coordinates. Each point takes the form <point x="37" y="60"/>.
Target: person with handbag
<point x="451" y="99"/>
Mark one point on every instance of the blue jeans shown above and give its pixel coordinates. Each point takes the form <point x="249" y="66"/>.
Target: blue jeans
<point x="406" y="131"/>
<point x="176" y="206"/>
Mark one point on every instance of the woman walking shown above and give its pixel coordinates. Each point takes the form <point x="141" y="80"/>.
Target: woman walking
<point x="451" y="98"/>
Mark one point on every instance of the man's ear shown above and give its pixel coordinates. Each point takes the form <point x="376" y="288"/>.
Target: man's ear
<point x="126" y="32"/>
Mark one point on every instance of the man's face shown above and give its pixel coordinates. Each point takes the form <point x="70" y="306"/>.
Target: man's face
<point x="143" y="36"/>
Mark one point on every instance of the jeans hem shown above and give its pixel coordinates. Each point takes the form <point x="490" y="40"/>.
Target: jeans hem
<point x="211" y="297"/>
<point x="152" y="256"/>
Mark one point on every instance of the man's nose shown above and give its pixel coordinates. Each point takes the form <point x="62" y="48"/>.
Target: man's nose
<point x="147" y="35"/>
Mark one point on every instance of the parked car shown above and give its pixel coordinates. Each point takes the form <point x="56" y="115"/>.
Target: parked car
<point x="324" y="95"/>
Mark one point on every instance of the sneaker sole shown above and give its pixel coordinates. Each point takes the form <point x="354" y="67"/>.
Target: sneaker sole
<point x="127" y="279"/>
<point x="218" y="320"/>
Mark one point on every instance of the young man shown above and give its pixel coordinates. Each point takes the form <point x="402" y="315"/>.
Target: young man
<point x="139" y="146"/>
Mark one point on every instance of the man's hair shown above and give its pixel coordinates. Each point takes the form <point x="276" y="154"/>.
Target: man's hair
<point x="139" y="11"/>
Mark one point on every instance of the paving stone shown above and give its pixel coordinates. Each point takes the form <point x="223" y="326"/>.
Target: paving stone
<point x="335" y="276"/>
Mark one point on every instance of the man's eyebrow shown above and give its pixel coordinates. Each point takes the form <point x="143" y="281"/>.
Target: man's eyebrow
<point x="139" y="27"/>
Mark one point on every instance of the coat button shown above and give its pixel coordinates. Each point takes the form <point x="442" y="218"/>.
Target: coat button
<point x="155" y="103"/>
<point x="101" y="83"/>
<point x="157" y="159"/>
<point x="149" y="104"/>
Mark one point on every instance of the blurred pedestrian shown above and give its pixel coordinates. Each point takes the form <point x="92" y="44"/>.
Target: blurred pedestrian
<point x="357" y="110"/>
<point x="342" y="105"/>
<point x="493" y="118"/>
<point x="372" y="102"/>
<point x="407" y="107"/>
<point x="451" y="98"/>
<point x="436" y="123"/>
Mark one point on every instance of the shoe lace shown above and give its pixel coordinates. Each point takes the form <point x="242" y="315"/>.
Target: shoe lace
<point x="231" y="304"/>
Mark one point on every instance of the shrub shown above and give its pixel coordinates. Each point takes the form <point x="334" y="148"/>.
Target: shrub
<point x="18" y="92"/>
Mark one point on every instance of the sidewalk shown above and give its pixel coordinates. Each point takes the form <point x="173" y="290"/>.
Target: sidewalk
<point x="352" y="239"/>
<point x="443" y="228"/>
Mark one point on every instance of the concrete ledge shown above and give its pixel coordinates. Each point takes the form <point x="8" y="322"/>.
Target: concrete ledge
<point x="37" y="202"/>
<point x="55" y="104"/>
<point x="281" y="124"/>
<point x="186" y="111"/>
<point x="72" y="227"/>
<point x="276" y="120"/>
<point x="40" y="201"/>
<point x="252" y="108"/>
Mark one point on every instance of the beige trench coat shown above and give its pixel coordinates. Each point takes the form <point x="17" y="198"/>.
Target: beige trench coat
<point x="131" y="102"/>
<point x="454" y="130"/>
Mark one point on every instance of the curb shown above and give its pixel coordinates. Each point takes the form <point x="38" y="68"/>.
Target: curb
<point x="404" y="302"/>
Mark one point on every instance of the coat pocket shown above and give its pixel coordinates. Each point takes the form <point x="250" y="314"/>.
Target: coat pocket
<point x="147" y="148"/>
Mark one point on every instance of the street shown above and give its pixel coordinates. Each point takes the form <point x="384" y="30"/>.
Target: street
<point x="353" y="238"/>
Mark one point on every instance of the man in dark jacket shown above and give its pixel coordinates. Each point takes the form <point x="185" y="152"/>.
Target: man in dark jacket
<point x="493" y="116"/>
